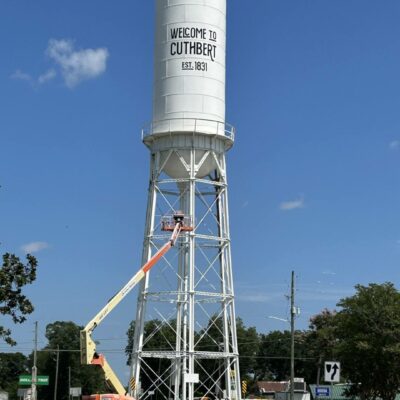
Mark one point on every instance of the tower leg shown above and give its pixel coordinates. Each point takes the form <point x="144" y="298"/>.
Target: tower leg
<point x="185" y="343"/>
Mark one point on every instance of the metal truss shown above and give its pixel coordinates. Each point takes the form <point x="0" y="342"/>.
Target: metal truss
<point x="185" y="343"/>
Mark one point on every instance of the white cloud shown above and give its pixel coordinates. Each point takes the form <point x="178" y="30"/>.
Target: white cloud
<point x="394" y="145"/>
<point x="22" y="76"/>
<point x="292" y="204"/>
<point x="34" y="247"/>
<point x="328" y="272"/>
<point x="77" y="65"/>
<point x="43" y="78"/>
<point x="47" y="76"/>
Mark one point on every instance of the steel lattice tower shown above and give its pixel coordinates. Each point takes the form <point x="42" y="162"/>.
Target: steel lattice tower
<point x="185" y="342"/>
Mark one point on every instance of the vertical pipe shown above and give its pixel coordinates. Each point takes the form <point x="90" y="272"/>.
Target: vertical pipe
<point x="192" y="211"/>
<point x="180" y="363"/>
<point x="185" y="361"/>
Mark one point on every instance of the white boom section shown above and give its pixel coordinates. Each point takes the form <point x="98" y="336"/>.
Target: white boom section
<point x="88" y="346"/>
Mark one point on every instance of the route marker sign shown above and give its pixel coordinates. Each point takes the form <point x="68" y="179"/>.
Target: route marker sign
<point x="332" y="371"/>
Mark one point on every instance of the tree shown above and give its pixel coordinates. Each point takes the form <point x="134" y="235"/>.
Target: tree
<point x="273" y="358"/>
<point x="248" y="346"/>
<point x="64" y="336"/>
<point x="368" y="333"/>
<point x="14" y="275"/>
<point x="11" y="366"/>
<point x="321" y="341"/>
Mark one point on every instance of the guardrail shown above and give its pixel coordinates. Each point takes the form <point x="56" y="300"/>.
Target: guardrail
<point x="192" y="125"/>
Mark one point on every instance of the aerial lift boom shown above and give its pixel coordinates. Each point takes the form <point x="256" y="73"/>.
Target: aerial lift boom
<point x="89" y="354"/>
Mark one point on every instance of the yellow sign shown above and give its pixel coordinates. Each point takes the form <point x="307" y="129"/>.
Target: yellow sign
<point x="244" y="387"/>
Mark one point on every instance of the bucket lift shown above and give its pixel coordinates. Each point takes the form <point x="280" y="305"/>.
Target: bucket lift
<point x="169" y="222"/>
<point x="176" y="224"/>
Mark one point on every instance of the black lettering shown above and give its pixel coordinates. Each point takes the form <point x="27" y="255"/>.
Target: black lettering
<point x="199" y="48"/>
<point x="179" y="48"/>
<point x="186" y="47"/>
<point x="193" y="48"/>
<point x="174" y="33"/>
<point x="211" y="51"/>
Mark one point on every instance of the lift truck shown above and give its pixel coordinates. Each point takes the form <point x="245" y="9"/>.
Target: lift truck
<point x="176" y="224"/>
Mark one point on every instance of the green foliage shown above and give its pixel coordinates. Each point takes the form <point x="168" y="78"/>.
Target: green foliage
<point x="321" y="343"/>
<point x="273" y="362"/>
<point x="64" y="336"/>
<point x="368" y="333"/>
<point x="248" y="345"/>
<point x="14" y="275"/>
<point x="274" y="356"/>
<point x="11" y="366"/>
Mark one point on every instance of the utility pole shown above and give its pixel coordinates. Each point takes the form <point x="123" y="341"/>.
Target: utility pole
<point x="69" y="382"/>
<point x="292" y="316"/>
<point x="56" y="380"/>
<point x="34" y="368"/>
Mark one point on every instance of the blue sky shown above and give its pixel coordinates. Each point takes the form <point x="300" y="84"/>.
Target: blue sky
<point x="313" y="89"/>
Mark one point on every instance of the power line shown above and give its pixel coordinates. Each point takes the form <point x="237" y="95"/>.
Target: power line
<point x="119" y="351"/>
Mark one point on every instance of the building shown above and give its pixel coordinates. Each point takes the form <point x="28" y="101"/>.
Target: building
<point x="281" y="390"/>
<point x="268" y="389"/>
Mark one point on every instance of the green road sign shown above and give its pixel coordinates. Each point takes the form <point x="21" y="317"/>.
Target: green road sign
<point x="27" y="380"/>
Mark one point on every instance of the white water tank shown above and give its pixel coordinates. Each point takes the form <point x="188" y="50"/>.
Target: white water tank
<point x="189" y="85"/>
<point x="189" y="64"/>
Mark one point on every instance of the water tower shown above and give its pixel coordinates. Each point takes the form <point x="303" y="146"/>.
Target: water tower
<point x="185" y="343"/>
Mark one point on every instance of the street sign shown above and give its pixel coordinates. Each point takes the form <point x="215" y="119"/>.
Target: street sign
<point x="24" y="392"/>
<point x="191" y="378"/>
<point x="28" y="394"/>
<point x="27" y="380"/>
<point x="322" y="391"/>
<point x="332" y="371"/>
<point x="75" y="391"/>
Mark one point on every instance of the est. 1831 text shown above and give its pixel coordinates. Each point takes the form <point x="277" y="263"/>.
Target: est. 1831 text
<point x="194" y="66"/>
